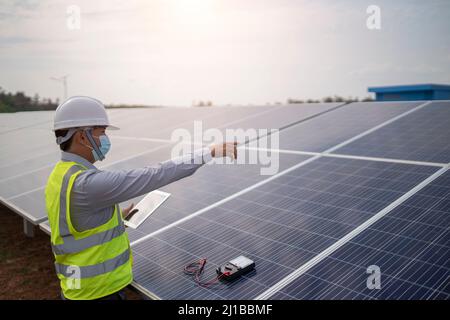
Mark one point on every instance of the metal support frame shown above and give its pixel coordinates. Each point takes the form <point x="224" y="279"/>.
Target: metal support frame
<point x="28" y="228"/>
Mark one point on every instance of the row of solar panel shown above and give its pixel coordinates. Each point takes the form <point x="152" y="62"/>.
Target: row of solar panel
<point x="289" y="221"/>
<point x="24" y="187"/>
<point x="213" y="184"/>
<point x="29" y="154"/>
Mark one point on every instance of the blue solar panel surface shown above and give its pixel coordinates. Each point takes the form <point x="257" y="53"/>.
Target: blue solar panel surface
<point x="330" y="129"/>
<point x="280" y="225"/>
<point x="423" y="135"/>
<point x="410" y="245"/>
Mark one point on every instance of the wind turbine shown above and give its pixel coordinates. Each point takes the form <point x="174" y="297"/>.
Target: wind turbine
<point x="62" y="80"/>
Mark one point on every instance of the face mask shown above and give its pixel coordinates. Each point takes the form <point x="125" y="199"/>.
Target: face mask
<point x="105" y="146"/>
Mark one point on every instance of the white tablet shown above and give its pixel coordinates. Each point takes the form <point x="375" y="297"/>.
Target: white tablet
<point x="146" y="207"/>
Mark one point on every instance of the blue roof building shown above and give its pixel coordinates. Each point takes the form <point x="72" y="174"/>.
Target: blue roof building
<point x="412" y="92"/>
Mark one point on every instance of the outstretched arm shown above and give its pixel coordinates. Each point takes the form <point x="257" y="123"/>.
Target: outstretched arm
<point x="105" y="188"/>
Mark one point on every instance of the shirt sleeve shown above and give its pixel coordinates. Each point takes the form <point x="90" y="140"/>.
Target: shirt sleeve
<point x="101" y="189"/>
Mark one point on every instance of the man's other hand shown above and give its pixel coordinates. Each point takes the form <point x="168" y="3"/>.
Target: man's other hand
<point x="126" y="211"/>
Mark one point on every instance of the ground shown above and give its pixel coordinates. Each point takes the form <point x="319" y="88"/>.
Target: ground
<point x="26" y="264"/>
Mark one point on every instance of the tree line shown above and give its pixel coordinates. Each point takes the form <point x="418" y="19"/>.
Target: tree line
<point x="19" y="101"/>
<point x="335" y="98"/>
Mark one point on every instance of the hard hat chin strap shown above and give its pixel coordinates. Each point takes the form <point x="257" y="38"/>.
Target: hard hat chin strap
<point x="93" y="144"/>
<point x="88" y="131"/>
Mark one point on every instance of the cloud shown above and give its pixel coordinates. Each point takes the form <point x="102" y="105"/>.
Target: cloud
<point x="10" y="9"/>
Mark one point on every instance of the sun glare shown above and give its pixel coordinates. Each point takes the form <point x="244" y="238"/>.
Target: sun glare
<point x="191" y="11"/>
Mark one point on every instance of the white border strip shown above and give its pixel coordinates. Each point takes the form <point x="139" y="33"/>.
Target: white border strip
<point x="346" y="156"/>
<point x="140" y="288"/>
<point x="287" y="151"/>
<point x="321" y="256"/>
<point x="45" y="226"/>
<point x="418" y="163"/>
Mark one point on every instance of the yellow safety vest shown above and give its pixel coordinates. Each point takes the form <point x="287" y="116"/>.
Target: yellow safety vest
<point x="90" y="264"/>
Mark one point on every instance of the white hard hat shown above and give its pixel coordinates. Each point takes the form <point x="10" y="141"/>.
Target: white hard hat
<point x="81" y="112"/>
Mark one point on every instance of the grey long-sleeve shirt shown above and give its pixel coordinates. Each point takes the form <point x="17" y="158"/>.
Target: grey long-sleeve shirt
<point x="95" y="191"/>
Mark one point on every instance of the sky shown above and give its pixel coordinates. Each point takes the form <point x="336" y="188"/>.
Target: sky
<point x="175" y="52"/>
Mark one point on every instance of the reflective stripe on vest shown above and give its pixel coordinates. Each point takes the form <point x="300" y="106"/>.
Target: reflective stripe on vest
<point x="96" y="269"/>
<point x="70" y="244"/>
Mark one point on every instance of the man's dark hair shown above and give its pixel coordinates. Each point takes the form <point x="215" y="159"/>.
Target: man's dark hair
<point x="62" y="133"/>
<point x="65" y="145"/>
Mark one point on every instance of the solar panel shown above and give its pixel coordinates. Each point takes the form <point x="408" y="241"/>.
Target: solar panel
<point x="330" y="129"/>
<point x="281" y="116"/>
<point x="280" y="225"/>
<point x="20" y="120"/>
<point x="282" y="222"/>
<point x="410" y="246"/>
<point x="422" y="136"/>
<point x="158" y="123"/>
<point x="161" y="125"/>
<point x="36" y="142"/>
<point x="24" y="144"/>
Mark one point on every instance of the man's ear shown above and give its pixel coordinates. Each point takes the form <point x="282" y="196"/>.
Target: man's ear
<point x="79" y="137"/>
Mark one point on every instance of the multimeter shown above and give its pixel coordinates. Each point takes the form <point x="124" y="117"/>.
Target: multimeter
<point x="233" y="269"/>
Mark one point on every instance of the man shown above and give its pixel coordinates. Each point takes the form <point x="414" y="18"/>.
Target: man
<point x="92" y="252"/>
